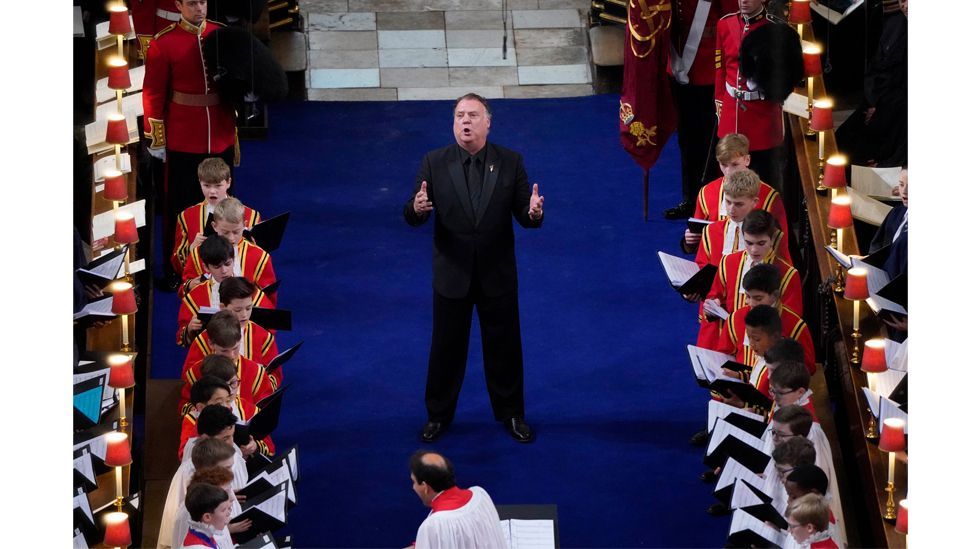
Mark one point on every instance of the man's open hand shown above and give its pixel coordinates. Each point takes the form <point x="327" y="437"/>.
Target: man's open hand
<point x="421" y="204"/>
<point x="535" y="203"/>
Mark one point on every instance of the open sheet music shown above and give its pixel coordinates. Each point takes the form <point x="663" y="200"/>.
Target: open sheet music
<point x="678" y="269"/>
<point x="747" y="531"/>
<point x="711" y="309"/>
<point x="867" y="209"/>
<point x="896" y="355"/>
<point x="875" y="182"/>
<point x="708" y="364"/>
<point x="891" y="409"/>
<point x="718" y="409"/>
<point x="844" y="260"/>
<point x="529" y="534"/>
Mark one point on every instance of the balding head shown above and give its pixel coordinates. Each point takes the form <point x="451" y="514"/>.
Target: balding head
<point x="431" y="474"/>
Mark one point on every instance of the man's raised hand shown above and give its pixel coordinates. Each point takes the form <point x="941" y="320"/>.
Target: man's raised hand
<point x="535" y="203"/>
<point x="421" y="205"/>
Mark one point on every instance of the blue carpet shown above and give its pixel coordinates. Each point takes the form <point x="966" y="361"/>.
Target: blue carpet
<point x="608" y="386"/>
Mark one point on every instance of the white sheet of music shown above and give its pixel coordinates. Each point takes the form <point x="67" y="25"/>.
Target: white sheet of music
<point x="796" y="104"/>
<point x="709" y="363"/>
<point x="718" y="409"/>
<point x="97" y="446"/>
<point x="867" y="209"/>
<point x="108" y="392"/>
<point x="104" y="93"/>
<point x="874" y="181"/>
<point x="732" y="471"/>
<point x="102" y="307"/>
<point x="678" y="269"/>
<point x="742" y="521"/>
<point x="83" y="464"/>
<point x="874" y="401"/>
<point x="108" y="163"/>
<point x="81" y="502"/>
<point x="877" y="278"/>
<point x="896" y="355"/>
<point x="276" y="477"/>
<point x="274" y="506"/>
<point x="844" y="260"/>
<point x="725" y="429"/>
<point x="292" y="461"/>
<point x="715" y="310"/>
<point x="79" y="541"/>
<point x="878" y="303"/>
<point x="529" y="534"/>
<point x="886" y="382"/>
<point x="744" y="496"/>
<point x="891" y="409"/>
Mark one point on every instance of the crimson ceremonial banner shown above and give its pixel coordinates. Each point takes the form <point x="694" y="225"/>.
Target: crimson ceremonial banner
<point x="647" y="114"/>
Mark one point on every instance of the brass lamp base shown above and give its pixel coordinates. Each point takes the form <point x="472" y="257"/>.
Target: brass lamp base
<point x="855" y="352"/>
<point x="872" y="431"/>
<point x="889" y="513"/>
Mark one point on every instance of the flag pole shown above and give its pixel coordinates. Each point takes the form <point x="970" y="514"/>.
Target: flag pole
<point x="646" y="172"/>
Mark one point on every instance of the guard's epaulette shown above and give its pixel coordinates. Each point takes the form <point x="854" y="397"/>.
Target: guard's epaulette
<point x="733" y="14"/>
<point x="217" y="23"/>
<point x="164" y="31"/>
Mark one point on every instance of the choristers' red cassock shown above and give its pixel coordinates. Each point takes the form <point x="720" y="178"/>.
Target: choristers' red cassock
<point x="712" y="245"/>
<point x="727" y="285"/>
<point x="205" y="296"/>
<point x="181" y="107"/>
<point x="257" y="344"/>
<point x="253" y="262"/>
<point x="190" y="223"/>
<point x="743" y="111"/>
<point x="733" y="341"/>
<point x="709" y="203"/>
<point x="150" y="17"/>
<point x="255" y="382"/>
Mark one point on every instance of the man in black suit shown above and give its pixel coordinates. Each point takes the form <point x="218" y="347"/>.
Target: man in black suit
<point x="474" y="189"/>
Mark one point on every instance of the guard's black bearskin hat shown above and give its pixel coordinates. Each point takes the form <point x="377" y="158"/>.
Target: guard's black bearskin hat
<point x="240" y="63"/>
<point x="771" y="56"/>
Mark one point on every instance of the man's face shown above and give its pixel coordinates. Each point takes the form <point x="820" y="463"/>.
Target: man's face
<point x="759" y="340"/>
<point x="758" y="246"/>
<point x="758" y="297"/>
<point x="780" y="432"/>
<point x="221" y="516"/>
<point x="214" y="191"/>
<point x="749" y="7"/>
<point x="737" y="207"/>
<point x="194" y="11"/>
<point x="785" y="396"/>
<point x="233" y="232"/>
<point x="471" y="124"/>
<point x="222" y="271"/>
<point x="903" y="187"/>
<point x="232" y="353"/>
<point x="422" y="490"/>
<point x="241" y="307"/>
<point x="737" y="164"/>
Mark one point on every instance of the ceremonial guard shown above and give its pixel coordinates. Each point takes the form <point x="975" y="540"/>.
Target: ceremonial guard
<point x="185" y="120"/>
<point x="692" y="78"/>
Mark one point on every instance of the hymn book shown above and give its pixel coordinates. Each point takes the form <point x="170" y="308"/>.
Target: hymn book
<point x="84" y="472"/>
<point x="261" y="541"/>
<point x="268" y="233"/>
<point x="707" y="365"/>
<point x="891" y="409"/>
<point x="266" y="510"/>
<point x="83" y="519"/>
<point x="104" y="269"/>
<point x="96" y="311"/>
<point x="528" y="534"/>
<point x="264" y="422"/>
<point x="748" y="531"/>
<point x="732" y="471"/>
<point x="685" y="276"/>
<point x="867" y="209"/>
<point x="279" y="360"/>
<point x="750" y="422"/>
<point x="697" y="226"/>
<point x="729" y="441"/>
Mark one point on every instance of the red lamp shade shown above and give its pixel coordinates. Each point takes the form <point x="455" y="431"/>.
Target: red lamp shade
<point x="901" y="523"/>
<point x="800" y="12"/>
<point x="822" y="118"/>
<point x="117" y="451"/>
<point x="892" y="435"/>
<point x="115" y="186"/>
<point x="835" y="176"/>
<point x="118" y="74"/>
<point x="123" y="298"/>
<point x="873" y="360"/>
<point x="125" y="228"/>
<point x="121" y="374"/>
<point x="840" y="216"/>
<point x="116" y="131"/>
<point x="811" y="60"/>
<point x="856" y="286"/>
<point x="117" y="532"/>
<point x="118" y="20"/>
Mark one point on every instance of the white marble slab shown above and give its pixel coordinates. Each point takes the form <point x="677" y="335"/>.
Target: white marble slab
<point x="343" y="59"/>
<point x="344" y="78"/>
<point x="350" y="21"/>
<point x="406" y="94"/>
<point x="430" y="57"/>
<point x="480" y="57"/>
<point x="546" y="19"/>
<point x="342" y="40"/>
<point x="554" y="74"/>
<point x="410" y="39"/>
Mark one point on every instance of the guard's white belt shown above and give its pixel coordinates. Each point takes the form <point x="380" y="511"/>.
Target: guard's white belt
<point x="168" y="15"/>
<point x="744" y="95"/>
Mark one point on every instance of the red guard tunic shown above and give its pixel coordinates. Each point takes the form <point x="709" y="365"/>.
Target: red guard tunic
<point x="255" y="265"/>
<point x="256" y="384"/>
<point x="182" y="109"/>
<point x="710" y="199"/>
<point x="150" y="17"/>
<point x="257" y="344"/>
<point x="199" y="297"/>
<point x="758" y="119"/>
<point x="191" y="222"/>
<point x="701" y="72"/>
<point x="794" y="327"/>
<point x="713" y="242"/>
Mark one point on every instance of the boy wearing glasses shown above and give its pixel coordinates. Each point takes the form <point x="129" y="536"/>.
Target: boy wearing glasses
<point x="809" y="520"/>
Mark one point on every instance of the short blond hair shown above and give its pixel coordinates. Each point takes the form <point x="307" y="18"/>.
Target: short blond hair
<point x="744" y="183"/>
<point x="810" y="509"/>
<point x="231" y="210"/>
<point x="731" y="147"/>
<point x="213" y="170"/>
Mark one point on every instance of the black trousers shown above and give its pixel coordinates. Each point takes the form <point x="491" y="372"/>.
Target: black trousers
<point x="182" y="190"/>
<point x="696" y="126"/>
<point x="769" y="165"/>
<point x="501" y="341"/>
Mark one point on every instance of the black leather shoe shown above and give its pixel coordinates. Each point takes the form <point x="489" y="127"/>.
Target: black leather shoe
<point x="708" y="477"/>
<point x="718" y="510"/>
<point x="681" y="210"/>
<point x="699" y="438"/>
<point x="519" y="429"/>
<point x="432" y="430"/>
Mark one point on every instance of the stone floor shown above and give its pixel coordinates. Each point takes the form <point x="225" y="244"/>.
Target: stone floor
<point x="389" y="50"/>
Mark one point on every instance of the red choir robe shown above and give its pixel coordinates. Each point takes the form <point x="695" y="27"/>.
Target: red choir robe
<point x="255" y="385"/>
<point x="258" y="345"/>
<point x="190" y="223"/>
<point x="255" y="265"/>
<point x="710" y="199"/>
<point x="202" y="296"/>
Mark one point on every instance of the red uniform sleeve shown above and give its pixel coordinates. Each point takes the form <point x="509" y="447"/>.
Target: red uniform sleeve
<point x="196" y="353"/>
<point x="791" y="292"/>
<point x="192" y="269"/>
<point x="720" y="34"/>
<point x="187" y="431"/>
<point x="185" y="315"/>
<point x="190" y="376"/>
<point x="700" y="205"/>
<point x="155" y="92"/>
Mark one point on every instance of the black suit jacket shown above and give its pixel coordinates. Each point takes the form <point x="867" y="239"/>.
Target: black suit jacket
<point x="897" y="261"/>
<point x="470" y="243"/>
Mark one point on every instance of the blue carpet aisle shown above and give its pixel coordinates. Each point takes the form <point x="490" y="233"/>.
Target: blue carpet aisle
<point x="608" y="386"/>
